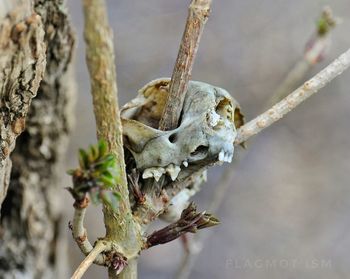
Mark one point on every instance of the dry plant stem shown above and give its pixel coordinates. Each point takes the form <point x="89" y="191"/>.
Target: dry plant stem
<point x="88" y="261"/>
<point x="198" y="14"/>
<point x="120" y="228"/>
<point x="294" y="99"/>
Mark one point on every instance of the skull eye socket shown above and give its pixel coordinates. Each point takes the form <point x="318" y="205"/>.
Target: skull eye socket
<point x="225" y="109"/>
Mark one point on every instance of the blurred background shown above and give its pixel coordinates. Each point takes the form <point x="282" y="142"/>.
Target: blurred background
<point x="286" y="212"/>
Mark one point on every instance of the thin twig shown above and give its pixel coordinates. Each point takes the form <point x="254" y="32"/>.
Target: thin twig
<point x="197" y="16"/>
<point x="294" y="99"/>
<point x="85" y="264"/>
<point x="315" y="51"/>
<point x="79" y="231"/>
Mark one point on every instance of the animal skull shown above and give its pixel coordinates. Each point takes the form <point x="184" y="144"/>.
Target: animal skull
<point x="205" y="134"/>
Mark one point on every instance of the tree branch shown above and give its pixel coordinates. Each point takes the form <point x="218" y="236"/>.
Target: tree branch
<point x="120" y="228"/>
<point x="197" y="17"/>
<point x="294" y="99"/>
<point x="90" y="258"/>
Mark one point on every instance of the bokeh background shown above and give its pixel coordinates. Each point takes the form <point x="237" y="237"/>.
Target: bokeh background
<point x="286" y="213"/>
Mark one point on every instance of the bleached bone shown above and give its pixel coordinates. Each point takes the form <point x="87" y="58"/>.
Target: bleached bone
<point x="204" y="136"/>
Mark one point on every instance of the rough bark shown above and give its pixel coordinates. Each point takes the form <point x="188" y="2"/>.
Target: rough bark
<point x="30" y="236"/>
<point x="22" y="65"/>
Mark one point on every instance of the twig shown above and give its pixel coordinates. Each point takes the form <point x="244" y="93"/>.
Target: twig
<point x="188" y="261"/>
<point x="315" y="52"/>
<point x="294" y="99"/>
<point x="120" y="228"/>
<point x="85" y="264"/>
<point x="198" y="14"/>
<point x="79" y="232"/>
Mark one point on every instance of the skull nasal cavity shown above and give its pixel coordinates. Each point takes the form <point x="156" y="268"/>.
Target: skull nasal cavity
<point x="200" y="150"/>
<point x="173" y="138"/>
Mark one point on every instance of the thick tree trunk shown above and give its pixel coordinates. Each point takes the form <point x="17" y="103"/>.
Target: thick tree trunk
<point x="30" y="236"/>
<point x="22" y="65"/>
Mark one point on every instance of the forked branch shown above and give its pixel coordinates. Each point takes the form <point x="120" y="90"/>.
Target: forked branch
<point x="90" y="258"/>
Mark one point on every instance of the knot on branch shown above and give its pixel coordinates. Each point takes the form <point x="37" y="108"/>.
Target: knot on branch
<point x="116" y="260"/>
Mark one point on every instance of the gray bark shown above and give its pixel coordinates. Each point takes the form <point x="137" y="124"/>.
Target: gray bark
<point x="30" y="236"/>
<point x="22" y="65"/>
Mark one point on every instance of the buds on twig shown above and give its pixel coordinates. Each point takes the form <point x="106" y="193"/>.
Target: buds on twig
<point x="96" y="175"/>
<point x="190" y="221"/>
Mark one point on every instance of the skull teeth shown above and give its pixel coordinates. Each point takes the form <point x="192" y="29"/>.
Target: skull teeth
<point x="229" y="158"/>
<point x="155" y="172"/>
<point x="173" y="171"/>
<point x="225" y="156"/>
<point x="222" y="156"/>
<point x="185" y="163"/>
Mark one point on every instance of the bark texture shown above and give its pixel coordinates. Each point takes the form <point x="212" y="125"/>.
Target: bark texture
<point x="121" y="228"/>
<point x="22" y="65"/>
<point x="198" y="14"/>
<point x="30" y="238"/>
